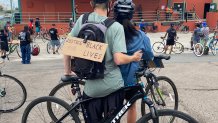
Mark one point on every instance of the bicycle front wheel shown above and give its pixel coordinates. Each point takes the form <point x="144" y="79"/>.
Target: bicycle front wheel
<point x="18" y="50"/>
<point x="165" y="96"/>
<point x="178" y="48"/>
<point x="12" y="94"/>
<point x="49" y="48"/>
<point x="166" y="116"/>
<point x="198" y="49"/>
<point x="36" y="111"/>
<point x="158" y="47"/>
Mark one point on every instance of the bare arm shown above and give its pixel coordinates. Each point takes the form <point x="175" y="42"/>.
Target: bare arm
<point x="120" y="58"/>
<point x="67" y="65"/>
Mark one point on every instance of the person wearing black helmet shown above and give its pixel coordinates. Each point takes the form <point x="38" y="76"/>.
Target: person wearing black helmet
<point x="135" y="40"/>
<point x="172" y="34"/>
<point x="103" y="89"/>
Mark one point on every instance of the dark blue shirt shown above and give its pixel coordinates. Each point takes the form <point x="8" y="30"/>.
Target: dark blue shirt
<point x="139" y="42"/>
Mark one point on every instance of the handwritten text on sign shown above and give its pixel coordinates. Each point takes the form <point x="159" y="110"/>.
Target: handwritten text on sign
<point x="90" y="50"/>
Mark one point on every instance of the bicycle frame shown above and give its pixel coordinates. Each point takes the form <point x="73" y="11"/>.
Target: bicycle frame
<point x="116" y="116"/>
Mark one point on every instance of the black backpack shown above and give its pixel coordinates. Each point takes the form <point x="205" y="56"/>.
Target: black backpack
<point x="88" y="69"/>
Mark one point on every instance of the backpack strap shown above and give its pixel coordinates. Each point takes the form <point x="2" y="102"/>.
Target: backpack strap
<point x="85" y="18"/>
<point x="108" y="22"/>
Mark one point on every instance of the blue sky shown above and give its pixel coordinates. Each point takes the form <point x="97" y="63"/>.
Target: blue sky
<point x="6" y="3"/>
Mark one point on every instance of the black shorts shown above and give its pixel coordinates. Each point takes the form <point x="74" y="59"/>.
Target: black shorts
<point x="170" y="42"/>
<point x="4" y="45"/>
<point x="105" y="105"/>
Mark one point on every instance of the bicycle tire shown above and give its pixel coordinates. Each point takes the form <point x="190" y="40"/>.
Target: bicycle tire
<point x="68" y="93"/>
<point x="212" y="48"/>
<point x="49" y="48"/>
<point x="158" y="47"/>
<point x="168" y="113"/>
<point x="198" y="49"/>
<point x="176" y="97"/>
<point x="48" y="99"/>
<point x="18" y="50"/>
<point x="24" y="93"/>
<point x="179" y="48"/>
<point x="12" y="48"/>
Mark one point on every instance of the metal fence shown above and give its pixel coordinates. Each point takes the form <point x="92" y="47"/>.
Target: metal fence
<point x="45" y="17"/>
<point x="58" y="17"/>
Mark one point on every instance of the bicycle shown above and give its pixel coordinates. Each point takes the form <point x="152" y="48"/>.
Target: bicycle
<point x="182" y="28"/>
<point x="14" y="46"/>
<point x="12" y="93"/>
<point x="43" y="35"/>
<point x="159" y="47"/>
<point x="49" y="46"/>
<point x="72" y="110"/>
<point x="163" y="91"/>
<point x="199" y="48"/>
<point x="78" y="107"/>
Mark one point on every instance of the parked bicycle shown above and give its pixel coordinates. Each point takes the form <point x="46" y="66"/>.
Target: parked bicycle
<point x="159" y="47"/>
<point x="57" y="107"/>
<point x="182" y="28"/>
<point x="199" y="48"/>
<point x="12" y="93"/>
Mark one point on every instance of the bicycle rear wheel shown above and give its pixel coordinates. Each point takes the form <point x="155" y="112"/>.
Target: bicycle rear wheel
<point x="212" y="48"/>
<point x="178" y="48"/>
<point x="166" y="91"/>
<point x="36" y="111"/>
<point x="198" y="49"/>
<point x="158" y="47"/>
<point x="166" y="116"/>
<point x="12" y="94"/>
<point x="64" y="91"/>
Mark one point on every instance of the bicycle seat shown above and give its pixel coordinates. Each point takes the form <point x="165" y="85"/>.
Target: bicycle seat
<point x="70" y="78"/>
<point x="166" y="57"/>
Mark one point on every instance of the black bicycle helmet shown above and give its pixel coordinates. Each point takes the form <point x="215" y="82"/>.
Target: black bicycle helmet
<point x="124" y="9"/>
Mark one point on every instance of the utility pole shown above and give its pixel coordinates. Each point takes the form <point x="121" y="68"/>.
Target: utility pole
<point x="11" y="6"/>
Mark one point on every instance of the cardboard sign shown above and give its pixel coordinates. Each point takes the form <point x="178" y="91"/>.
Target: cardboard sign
<point x="90" y="50"/>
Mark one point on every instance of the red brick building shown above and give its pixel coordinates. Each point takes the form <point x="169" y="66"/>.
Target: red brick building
<point x="59" y="11"/>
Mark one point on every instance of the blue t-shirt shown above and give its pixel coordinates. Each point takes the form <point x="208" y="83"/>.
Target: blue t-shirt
<point x="139" y="42"/>
<point x="196" y="35"/>
<point x="142" y="26"/>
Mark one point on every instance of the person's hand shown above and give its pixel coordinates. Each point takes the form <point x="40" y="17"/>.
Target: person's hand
<point x="137" y="55"/>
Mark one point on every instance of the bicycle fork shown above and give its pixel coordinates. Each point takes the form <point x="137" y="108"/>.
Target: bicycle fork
<point x="154" y="80"/>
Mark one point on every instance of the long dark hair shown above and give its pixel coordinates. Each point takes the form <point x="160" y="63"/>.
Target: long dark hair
<point x="26" y="28"/>
<point x="129" y="29"/>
